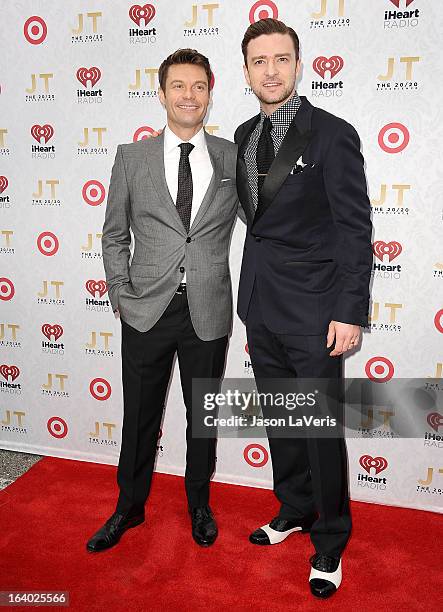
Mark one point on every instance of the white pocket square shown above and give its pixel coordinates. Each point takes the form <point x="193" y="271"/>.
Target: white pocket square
<point x="227" y="179"/>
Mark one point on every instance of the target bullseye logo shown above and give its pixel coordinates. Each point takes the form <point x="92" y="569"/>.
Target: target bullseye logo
<point x="56" y="331"/>
<point x="39" y="132"/>
<point x="379" y="369"/>
<point x="377" y="463"/>
<point x="100" y="389"/>
<point x="93" y="287"/>
<point x="9" y="371"/>
<point x="35" y="30"/>
<point x="7" y="289"/>
<point x="47" y="244"/>
<point x="332" y="64"/>
<point x="438" y="321"/>
<point x="391" y="249"/>
<point x="93" y="193"/>
<point x="256" y="455"/>
<point x="435" y="420"/>
<point x="393" y="138"/>
<point x="145" y="12"/>
<point x="3" y="183"/>
<point x="142" y="133"/>
<point x="92" y="75"/>
<point x="57" y="427"/>
<point x="263" y="9"/>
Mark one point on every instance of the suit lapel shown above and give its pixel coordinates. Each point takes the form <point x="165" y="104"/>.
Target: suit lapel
<point x="243" y="187"/>
<point x="156" y="166"/>
<point x="216" y="158"/>
<point x="294" y="143"/>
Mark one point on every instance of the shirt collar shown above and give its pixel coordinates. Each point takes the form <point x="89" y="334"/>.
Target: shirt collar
<point x="283" y="116"/>
<point x="172" y="141"/>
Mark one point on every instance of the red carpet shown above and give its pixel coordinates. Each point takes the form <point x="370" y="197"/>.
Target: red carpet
<point x="393" y="561"/>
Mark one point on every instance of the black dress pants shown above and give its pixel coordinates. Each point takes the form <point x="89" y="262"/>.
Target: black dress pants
<point x="310" y="473"/>
<point x="147" y="360"/>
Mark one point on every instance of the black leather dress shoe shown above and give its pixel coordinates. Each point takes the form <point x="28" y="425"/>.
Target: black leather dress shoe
<point x="279" y="529"/>
<point x="112" y="531"/>
<point x="326" y="575"/>
<point x="204" y="527"/>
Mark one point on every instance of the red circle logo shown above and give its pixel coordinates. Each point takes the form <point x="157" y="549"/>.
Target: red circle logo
<point x="35" y="30"/>
<point x="379" y="369"/>
<point x="263" y="9"/>
<point x="93" y="193"/>
<point x="438" y="321"/>
<point x="57" y="427"/>
<point x="100" y="389"/>
<point x="7" y="289"/>
<point x="142" y="133"/>
<point x="393" y="138"/>
<point x="47" y="243"/>
<point x="256" y="455"/>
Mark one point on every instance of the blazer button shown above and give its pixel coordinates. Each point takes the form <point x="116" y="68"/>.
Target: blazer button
<point x="182" y="269"/>
<point x="257" y="239"/>
<point x="188" y="240"/>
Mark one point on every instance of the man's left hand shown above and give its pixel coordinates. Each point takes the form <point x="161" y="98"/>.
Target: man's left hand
<point x="346" y="337"/>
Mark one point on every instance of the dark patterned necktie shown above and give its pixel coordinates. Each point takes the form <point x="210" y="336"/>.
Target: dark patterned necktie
<point x="184" y="191"/>
<point x="265" y="153"/>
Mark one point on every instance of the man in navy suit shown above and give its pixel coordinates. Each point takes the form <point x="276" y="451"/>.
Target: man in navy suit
<point x="304" y="284"/>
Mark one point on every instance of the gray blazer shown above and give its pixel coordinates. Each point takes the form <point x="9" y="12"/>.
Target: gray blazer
<point x="139" y="199"/>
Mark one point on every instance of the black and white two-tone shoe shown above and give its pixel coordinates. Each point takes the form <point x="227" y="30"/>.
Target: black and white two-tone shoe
<point x="326" y="575"/>
<point x="279" y="529"/>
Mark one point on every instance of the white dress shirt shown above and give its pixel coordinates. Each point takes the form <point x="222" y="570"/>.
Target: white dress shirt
<point x="200" y="163"/>
<point x="199" y="160"/>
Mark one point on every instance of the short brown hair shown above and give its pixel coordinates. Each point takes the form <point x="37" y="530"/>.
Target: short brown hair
<point x="184" y="56"/>
<point x="268" y="26"/>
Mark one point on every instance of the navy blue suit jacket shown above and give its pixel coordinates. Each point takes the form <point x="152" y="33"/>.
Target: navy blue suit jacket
<point x="308" y="246"/>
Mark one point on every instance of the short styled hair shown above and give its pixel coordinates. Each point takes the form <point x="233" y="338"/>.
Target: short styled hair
<point x="268" y="26"/>
<point x="184" y="56"/>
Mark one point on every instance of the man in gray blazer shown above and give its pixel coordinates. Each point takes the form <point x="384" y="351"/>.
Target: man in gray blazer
<point x="177" y="194"/>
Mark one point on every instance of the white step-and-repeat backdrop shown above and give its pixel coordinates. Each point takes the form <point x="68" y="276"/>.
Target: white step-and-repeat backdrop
<point x="80" y="77"/>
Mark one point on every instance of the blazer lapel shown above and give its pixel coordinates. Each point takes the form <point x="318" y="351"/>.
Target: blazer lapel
<point x="216" y="158"/>
<point x="156" y="166"/>
<point x="294" y="143"/>
<point x="243" y="187"/>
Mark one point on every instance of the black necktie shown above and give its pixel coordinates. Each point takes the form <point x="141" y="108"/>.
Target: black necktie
<point x="184" y="191"/>
<point x="265" y="153"/>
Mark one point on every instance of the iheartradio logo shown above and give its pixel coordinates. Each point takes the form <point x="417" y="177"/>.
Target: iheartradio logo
<point x="435" y="419"/>
<point x="378" y="463"/>
<point x="94" y="287"/>
<point x="7" y="289"/>
<point x="3" y="184"/>
<point x="9" y="371"/>
<point x="263" y="9"/>
<point x="92" y="75"/>
<point x="35" y="30"/>
<point x="256" y="455"/>
<point x="391" y="249"/>
<point x="397" y="3"/>
<point x="54" y="331"/>
<point x="145" y="12"/>
<point x="333" y="65"/>
<point x="45" y="132"/>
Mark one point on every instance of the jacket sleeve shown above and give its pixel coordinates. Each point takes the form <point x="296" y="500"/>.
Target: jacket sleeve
<point x="346" y="189"/>
<point x="116" y="236"/>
